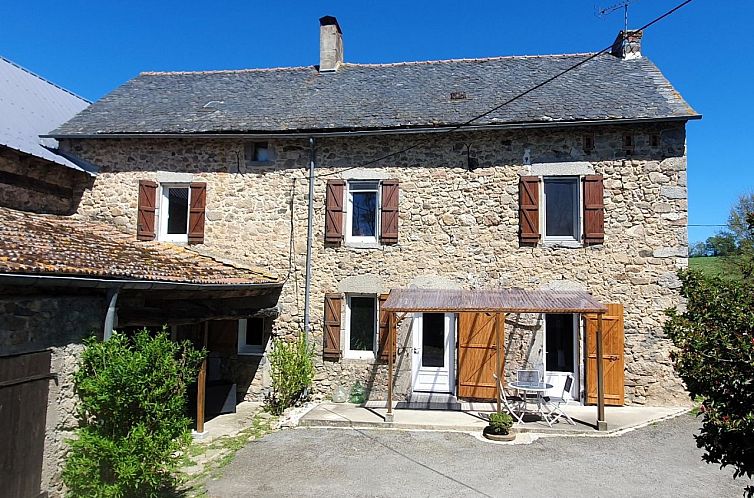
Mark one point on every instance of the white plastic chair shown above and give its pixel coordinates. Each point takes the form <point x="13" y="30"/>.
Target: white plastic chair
<point x="506" y="402"/>
<point x="554" y="405"/>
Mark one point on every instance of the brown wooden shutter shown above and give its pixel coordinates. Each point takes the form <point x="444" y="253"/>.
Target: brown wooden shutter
<point x="389" y="212"/>
<point x="198" y="204"/>
<point x="145" y="220"/>
<point x="594" y="210"/>
<point x="223" y="336"/>
<point x="331" y="339"/>
<point x="334" y="211"/>
<point x="385" y="334"/>
<point x="528" y="210"/>
<point x="477" y="356"/>
<point x="613" y="362"/>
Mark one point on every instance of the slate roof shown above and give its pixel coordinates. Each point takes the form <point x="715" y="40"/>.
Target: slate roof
<point x="41" y="244"/>
<point x="31" y="106"/>
<point x="383" y="96"/>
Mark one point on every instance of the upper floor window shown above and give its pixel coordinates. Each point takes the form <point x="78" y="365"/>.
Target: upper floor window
<point x="258" y="152"/>
<point x="361" y="326"/>
<point x="561" y="209"/>
<point x="174" y="213"/>
<point x="363" y="212"/>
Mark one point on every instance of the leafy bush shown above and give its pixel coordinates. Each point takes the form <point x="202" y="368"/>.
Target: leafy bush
<point x="132" y="415"/>
<point x="292" y="372"/>
<point x="500" y="423"/>
<point x="715" y="358"/>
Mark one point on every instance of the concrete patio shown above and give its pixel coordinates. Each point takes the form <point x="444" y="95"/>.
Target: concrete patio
<point x="471" y="418"/>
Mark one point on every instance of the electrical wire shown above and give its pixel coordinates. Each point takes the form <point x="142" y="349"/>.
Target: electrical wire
<point x="509" y="101"/>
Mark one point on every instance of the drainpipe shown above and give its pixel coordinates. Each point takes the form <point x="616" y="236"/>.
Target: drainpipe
<point x="309" y="238"/>
<point x="112" y="300"/>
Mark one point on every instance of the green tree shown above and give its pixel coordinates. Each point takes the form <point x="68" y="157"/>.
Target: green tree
<point x="741" y="225"/>
<point x="132" y="415"/>
<point x="722" y="244"/>
<point x="714" y="338"/>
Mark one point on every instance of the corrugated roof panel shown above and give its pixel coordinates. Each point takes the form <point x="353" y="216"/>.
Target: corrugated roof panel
<point x="31" y="106"/>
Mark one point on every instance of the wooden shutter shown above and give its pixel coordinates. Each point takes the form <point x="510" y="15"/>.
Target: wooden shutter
<point x="477" y="356"/>
<point x="223" y="336"/>
<point x="145" y="220"/>
<point x="331" y="339"/>
<point x="386" y="335"/>
<point x="197" y="206"/>
<point x="334" y="211"/>
<point x="389" y="212"/>
<point x="528" y="210"/>
<point x="594" y="210"/>
<point x="612" y="356"/>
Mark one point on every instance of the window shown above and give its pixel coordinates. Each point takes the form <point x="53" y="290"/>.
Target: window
<point x="361" y="326"/>
<point x="588" y="143"/>
<point x="251" y="336"/>
<point x="561" y="209"/>
<point x="628" y="144"/>
<point x="362" y="213"/>
<point x="654" y="140"/>
<point x="258" y="152"/>
<point x="174" y="213"/>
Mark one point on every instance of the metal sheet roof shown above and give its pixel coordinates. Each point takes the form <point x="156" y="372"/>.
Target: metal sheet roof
<point x="492" y="300"/>
<point x="31" y="106"/>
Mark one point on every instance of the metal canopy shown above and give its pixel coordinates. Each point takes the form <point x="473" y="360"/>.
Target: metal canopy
<point x="492" y="300"/>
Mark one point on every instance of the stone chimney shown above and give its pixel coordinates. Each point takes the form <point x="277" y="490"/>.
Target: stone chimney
<point x="627" y="45"/>
<point x="330" y="44"/>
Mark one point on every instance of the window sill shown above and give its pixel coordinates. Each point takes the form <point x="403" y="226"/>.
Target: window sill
<point x="564" y="244"/>
<point x="357" y="356"/>
<point x="363" y="245"/>
<point x="260" y="163"/>
<point x="250" y="353"/>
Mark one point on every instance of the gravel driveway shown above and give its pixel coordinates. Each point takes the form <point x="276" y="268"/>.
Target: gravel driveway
<point x="659" y="460"/>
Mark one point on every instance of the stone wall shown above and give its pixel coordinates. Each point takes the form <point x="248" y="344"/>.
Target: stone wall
<point x="34" y="322"/>
<point x="32" y="184"/>
<point x="457" y="225"/>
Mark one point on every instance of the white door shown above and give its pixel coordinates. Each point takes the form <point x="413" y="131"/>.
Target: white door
<point x="432" y="365"/>
<point x="561" y="353"/>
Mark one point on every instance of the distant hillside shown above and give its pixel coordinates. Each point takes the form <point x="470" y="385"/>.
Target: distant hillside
<point x="716" y="266"/>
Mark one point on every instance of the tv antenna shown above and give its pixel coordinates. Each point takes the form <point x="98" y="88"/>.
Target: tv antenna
<point x="609" y="10"/>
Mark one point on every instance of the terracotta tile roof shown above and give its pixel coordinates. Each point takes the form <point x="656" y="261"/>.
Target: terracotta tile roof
<point x="41" y="244"/>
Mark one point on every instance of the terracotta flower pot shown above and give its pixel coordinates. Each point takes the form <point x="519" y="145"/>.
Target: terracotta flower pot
<point x="487" y="432"/>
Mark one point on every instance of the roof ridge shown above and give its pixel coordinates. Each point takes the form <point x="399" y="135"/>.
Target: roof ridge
<point x="367" y="64"/>
<point x="42" y="78"/>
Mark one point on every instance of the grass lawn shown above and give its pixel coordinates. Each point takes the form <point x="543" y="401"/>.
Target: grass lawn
<point x="715" y="266"/>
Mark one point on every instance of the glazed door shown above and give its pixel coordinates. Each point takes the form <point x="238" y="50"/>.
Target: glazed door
<point x="433" y="353"/>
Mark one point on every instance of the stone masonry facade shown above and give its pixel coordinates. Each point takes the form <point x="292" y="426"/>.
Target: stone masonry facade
<point x="458" y="227"/>
<point x="39" y="321"/>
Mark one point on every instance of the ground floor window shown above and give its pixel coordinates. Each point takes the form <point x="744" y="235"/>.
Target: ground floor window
<point x="251" y="336"/>
<point x="361" y="326"/>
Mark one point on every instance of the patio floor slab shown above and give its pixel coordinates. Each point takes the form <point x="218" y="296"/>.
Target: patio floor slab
<point x="472" y="420"/>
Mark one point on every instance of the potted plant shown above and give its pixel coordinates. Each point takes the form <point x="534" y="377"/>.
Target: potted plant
<point x="499" y="428"/>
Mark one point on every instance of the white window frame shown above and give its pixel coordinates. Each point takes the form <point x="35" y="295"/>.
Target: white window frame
<point x="577" y="208"/>
<point x="247" y="349"/>
<point x="163" y="214"/>
<point x="363" y="186"/>
<point x="360" y="354"/>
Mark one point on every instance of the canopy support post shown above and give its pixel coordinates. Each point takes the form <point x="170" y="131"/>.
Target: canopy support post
<point x="499" y="317"/>
<point x="201" y="386"/>
<point x="390" y="358"/>
<point x="601" y="423"/>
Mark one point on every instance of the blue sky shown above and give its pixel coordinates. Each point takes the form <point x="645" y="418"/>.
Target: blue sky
<point x="704" y="50"/>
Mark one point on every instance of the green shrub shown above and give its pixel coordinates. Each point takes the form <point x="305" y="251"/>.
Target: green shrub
<point x="292" y="372"/>
<point x="500" y="423"/>
<point x="132" y="415"/>
<point x="715" y="358"/>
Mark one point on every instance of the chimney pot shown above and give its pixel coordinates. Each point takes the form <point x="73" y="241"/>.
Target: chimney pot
<point x="627" y="45"/>
<point x="330" y="44"/>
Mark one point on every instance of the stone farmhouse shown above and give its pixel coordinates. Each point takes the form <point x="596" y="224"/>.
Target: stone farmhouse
<point x="579" y="186"/>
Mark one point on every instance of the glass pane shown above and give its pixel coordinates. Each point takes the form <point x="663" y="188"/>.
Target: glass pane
<point x="560" y="209"/>
<point x="433" y="339"/>
<point x="255" y="332"/>
<point x="362" y="323"/>
<point x="261" y="153"/>
<point x="559" y="330"/>
<point x="178" y="210"/>
<point x="364" y="222"/>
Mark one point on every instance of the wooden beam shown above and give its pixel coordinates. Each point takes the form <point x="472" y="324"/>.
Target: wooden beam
<point x="201" y="385"/>
<point x="601" y="423"/>
<point x="392" y="339"/>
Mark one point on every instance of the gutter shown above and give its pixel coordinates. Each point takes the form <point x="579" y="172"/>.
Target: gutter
<point x="102" y="283"/>
<point x="378" y="131"/>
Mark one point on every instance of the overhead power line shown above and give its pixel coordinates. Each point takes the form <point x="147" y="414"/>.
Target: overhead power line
<point x="509" y="101"/>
